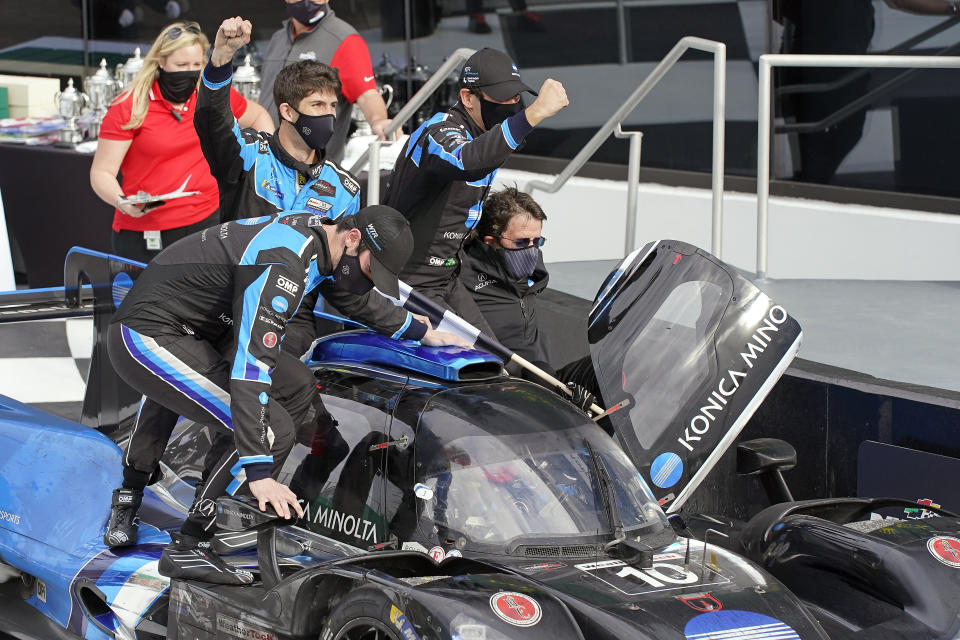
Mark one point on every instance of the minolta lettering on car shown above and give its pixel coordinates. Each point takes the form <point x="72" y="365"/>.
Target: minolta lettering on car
<point x="348" y="525"/>
<point x="728" y="385"/>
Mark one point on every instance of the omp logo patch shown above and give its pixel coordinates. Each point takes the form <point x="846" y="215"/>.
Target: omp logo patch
<point x="287" y="285"/>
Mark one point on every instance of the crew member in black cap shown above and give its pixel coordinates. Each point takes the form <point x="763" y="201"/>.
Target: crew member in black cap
<point x="201" y="332"/>
<point x="447" y="167"/>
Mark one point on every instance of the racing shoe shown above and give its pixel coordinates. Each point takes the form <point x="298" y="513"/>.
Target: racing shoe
<point x="121" y="529"/>
<point x="190" y="558"/>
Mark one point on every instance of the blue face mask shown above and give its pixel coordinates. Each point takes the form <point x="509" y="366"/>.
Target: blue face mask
<point x="306" y="12"/>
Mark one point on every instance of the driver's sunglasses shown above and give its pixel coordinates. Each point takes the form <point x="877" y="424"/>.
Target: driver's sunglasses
<point x="175" y="32"/>
<point x="523" y="243"/>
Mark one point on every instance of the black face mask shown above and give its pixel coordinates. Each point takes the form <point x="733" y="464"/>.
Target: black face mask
<point x="493" y="113"/>
<point x="349" y="276"/>
<point x="306" y="12"/>
<point x="521" y="262"/>
<point x="176" y="86"/>
<point x="316" y="131"/>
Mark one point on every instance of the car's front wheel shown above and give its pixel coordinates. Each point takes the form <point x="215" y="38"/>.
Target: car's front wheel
<point x="365" y="614"/>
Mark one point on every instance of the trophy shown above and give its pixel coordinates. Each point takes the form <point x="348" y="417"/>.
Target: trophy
<point x="70" y="104"/>
<point x="246" y="81"/>
<point x="126" y="72"/>
<point x="101" y="88"/>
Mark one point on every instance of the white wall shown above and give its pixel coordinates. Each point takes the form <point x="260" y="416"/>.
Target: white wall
<point x="807" y="238"/>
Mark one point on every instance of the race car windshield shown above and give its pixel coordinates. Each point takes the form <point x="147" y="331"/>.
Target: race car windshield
<point x="497" y="478"/>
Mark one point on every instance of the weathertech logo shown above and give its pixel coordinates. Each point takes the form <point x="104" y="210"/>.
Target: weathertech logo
<point x="240" y="629"/>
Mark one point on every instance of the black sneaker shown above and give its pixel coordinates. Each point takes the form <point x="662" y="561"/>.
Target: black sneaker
<point x="189" y="558"/>
<point x="121" y="529"/>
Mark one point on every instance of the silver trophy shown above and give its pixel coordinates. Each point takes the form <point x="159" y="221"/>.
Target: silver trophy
<point x="246" y="80"/>
<point x="126" y="72"/>
<point x="101" y="88"/>
<point x="70" y="104"/>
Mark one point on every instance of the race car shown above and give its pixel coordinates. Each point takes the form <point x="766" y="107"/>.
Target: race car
<point x="444" y="501"/>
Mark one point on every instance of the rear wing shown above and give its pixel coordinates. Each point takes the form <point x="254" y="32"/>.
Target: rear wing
<point x="94" y="285"/>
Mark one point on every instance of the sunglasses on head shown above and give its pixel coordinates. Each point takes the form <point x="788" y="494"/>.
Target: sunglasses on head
<point x="523" y="243"/>
<point x="191" y="27"/>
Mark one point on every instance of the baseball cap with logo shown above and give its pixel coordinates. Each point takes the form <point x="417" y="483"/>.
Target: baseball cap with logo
<point x="494" y="72"/>
<point x="387" y="234"/>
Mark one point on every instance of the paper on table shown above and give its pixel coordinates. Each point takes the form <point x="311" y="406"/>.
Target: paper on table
<point x="145" y="198"/>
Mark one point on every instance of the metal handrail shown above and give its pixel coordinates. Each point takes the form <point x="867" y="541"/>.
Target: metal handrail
<point x="765" y="71"/>
<point x="719" y="51"/>
<point x="372" y="155"/>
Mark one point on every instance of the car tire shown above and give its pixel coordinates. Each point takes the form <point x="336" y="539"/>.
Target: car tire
<point x="362" y="614"/>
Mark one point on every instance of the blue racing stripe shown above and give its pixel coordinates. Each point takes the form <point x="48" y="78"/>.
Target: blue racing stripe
<point x="245" y="460"/>
<point x="273" y="236"/>
<point x="404" y="327"/>
<point x="166" y="371"/>
<point x="508" y="135"/>
<point x="244" y="364"/>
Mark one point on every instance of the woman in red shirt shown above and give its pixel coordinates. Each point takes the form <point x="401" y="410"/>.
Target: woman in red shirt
<point x="147" y="135"/>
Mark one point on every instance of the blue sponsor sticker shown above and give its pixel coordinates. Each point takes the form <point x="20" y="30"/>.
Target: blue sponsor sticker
<point x="279" y="304"/>
<point x="120" y="287"/>
<point x="251" y="221"/>
<point x="263" y="397"/>
<point x="730" y="623"/>
<point x="666" y="470"/>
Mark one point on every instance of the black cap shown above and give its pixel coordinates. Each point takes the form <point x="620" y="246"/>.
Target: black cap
<point x="494" y="72"/>
<point x="387" y="234"/>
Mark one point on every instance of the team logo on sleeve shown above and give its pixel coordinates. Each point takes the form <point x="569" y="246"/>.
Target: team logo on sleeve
<point x="287" y="285"/>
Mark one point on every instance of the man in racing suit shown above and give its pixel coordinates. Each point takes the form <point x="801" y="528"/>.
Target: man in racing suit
<point x="447" y="166"/>
<point x="260" y="173"/>
<point x="201" y="332"/>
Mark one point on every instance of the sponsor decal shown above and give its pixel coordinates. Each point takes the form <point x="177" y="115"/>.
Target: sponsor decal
<point x="263" y="397"/>
<point x="450" y="262"/>
<point x="727" y="386"/>
<point x="12" y="518"/>
<point x="434" y="261"/>
<point x="233" y="513"/>
<point x="454" y="553"/>
<point x="124" y="498"/>
<point x="946" y="550"/>
<point x="316" y="221"/>
<point x="422" y="491"/>
<point x="252" y="221"/>
<point x="279" y="304"/>
<point x="319" y="205"/>
<point x="731" y="623"/>
<point x="287" y="285"/>
<point x="42" y="591"/>
<point x="120" y="287"/>
<point x="350" y="185"/>
<point x="402" y="624"/>
<point x="472" y="632"/>
<point x="666" y="470"/>
<point x="269" y="339"/>
<point x="324" y="188"/>
<point x="453" y="235"/>
<point x="264" y="147"/>
<point x="543" y="566"/>
<point x="516" y="608"/>
<point x="225" y="319"/>
<point x="663" y="576"/>
<point x="117" y="537"/>
<point x="437" y="553"/>
<point x="414" y="546"/>
<point x="270" y="321"/>
<point x="347" y="525"/>
<point x="206" y="507"/>
<point x="703" y="602"/>
<point x="224" y="231"/>
<point x="240" y="629"/>
<point x="919" y="513"/>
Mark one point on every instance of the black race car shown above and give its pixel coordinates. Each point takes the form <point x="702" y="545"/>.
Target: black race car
<point x="445" y="500"/>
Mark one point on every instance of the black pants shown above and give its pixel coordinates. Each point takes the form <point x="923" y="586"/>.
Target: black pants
<point x="186" y="376"/>
<point x="476" y="6"/>
<point x="131" y="244"/>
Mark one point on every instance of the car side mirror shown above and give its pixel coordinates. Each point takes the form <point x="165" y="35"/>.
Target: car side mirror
<point x="243" y="514"/>
<point x="768" y="458"/>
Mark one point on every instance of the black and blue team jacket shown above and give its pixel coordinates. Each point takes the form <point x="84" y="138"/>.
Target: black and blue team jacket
<point x="254" y="174"/>
<point x="240" y="284"/>
<point x="440" y="181"/>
